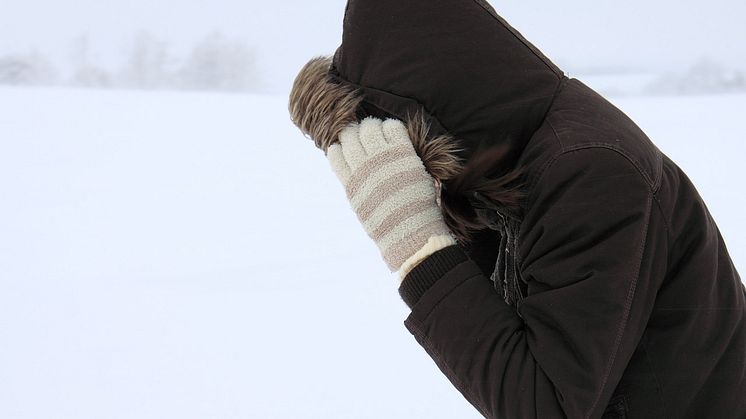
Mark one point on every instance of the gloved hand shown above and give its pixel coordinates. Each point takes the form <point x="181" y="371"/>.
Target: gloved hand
<point x="389" y="189"/>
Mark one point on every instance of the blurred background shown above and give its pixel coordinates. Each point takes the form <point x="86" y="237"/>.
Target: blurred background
<point x="673" y="47"/>
<point x="172" y="246"/>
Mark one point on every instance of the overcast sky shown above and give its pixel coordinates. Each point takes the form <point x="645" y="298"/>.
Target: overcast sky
<point x="576" y="34"/>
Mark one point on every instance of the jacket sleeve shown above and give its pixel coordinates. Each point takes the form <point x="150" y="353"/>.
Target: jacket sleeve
<point x="592" y="250"/>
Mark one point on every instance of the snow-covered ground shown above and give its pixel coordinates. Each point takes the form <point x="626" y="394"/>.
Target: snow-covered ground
<point x="191" y="255"/>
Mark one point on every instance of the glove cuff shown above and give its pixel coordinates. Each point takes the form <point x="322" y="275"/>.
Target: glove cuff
<point x="434" y="243"/>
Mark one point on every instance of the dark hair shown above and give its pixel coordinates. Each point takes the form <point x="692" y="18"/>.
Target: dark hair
<point x="480" y="180"/>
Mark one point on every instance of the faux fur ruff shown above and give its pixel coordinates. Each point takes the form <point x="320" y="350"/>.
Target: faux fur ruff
<point x="322" y="107"/>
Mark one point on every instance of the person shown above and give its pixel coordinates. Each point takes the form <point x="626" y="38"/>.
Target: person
<point x="566" y="267"/>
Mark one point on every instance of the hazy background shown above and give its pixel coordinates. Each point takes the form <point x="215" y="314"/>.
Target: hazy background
<point x="171" y="246"/>
<point x="159" y="37"/>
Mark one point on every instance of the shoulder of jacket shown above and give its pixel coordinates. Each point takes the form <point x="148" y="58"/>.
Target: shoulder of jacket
<point x="581" y="118"/>
<point x="589" y="160"/>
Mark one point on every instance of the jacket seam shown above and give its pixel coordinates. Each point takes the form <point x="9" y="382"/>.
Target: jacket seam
<point x="540" y="174"/>
<point x="666" y="224"/>
<point x="653" y="184"/>
<point x="560" y="86"/>
<point x="544" y="168"/>
<point x="659" y="182"/>
<point x="554" y="131"/>
<point x="631" y="291"/>
<point x="659" y="170"/>
<point x="627" y="307"/>
<point x="599" y="144"/>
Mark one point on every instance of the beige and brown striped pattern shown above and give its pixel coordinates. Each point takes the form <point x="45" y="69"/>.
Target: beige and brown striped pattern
<point x="434" y="243"/>
<point x="388" y="187"/>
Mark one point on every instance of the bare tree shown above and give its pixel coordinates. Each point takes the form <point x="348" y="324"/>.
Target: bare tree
<point x="703" y="77"/>
<point x="219" y="64"/>
<point x="148" y="65"/>
<point x="85" y="72"/>
<point x="30" y="68"/>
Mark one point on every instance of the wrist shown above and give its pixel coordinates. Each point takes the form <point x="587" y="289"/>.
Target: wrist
<point x="433" y="244"/>
<point x="427" y="273"/>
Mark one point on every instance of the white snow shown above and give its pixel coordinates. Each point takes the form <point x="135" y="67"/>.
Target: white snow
<point x="191" y="255"/>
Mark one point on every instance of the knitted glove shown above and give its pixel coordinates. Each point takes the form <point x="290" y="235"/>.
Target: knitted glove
<point x="389" y="189"/>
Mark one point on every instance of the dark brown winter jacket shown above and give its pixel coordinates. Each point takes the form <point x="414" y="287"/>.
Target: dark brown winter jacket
<point x="626" y="302"/>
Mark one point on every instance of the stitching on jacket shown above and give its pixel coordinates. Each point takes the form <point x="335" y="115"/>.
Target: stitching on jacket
<point x="601" y="144"/>
<point x="627" y="307"/>
<point x="666" y="224"/>
<point x="596" y="144"/>
<point x="654" y="185"/>
<point x="659" y="168"/>
<point x="556" y="136"/>
<point x="630" y="295"/>
<point x="669" y="225"/>
<point x="545" y="117"/>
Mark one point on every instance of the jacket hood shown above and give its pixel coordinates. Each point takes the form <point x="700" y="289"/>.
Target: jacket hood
<point x="459" y="77"/>
<point x="472" y="75"/>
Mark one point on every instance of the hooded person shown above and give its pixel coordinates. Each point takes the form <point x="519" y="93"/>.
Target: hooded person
<point x="566" y="267"/>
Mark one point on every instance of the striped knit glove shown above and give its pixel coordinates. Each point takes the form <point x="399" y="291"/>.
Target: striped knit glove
<point x="390" y="191"/>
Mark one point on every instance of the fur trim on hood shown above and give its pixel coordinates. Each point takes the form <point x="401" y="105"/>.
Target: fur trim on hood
<point x="321" y="107"/>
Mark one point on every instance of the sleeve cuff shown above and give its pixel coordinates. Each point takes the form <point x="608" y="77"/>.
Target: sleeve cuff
<point x="434" y="243"/>
<point x="425" y="274"/>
